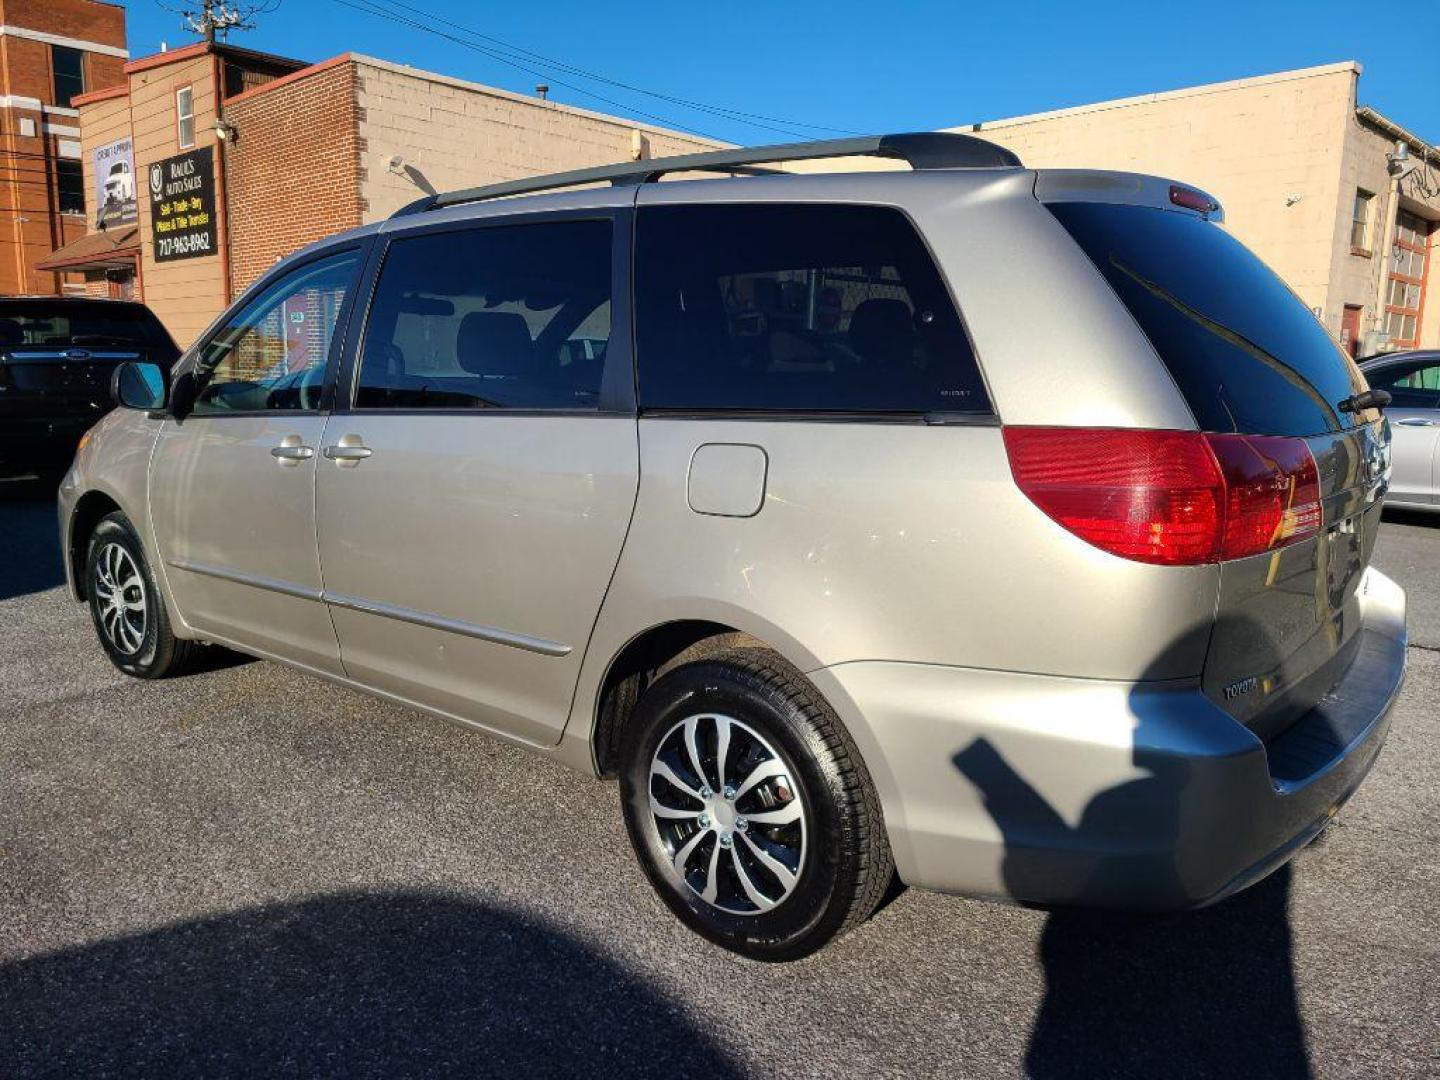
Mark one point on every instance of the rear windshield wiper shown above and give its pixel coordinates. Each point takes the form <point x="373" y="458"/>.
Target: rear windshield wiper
<point x="1366" y="399"/>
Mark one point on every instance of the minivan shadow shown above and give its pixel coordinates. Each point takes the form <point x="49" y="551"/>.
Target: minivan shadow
<point x="1401" y="516"/>
<point x="1197" y="993"/>
<point x="353" y="984"/>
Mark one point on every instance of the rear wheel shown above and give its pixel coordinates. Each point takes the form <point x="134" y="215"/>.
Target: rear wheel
<point x="750" y="809"/>
<point x="126" y="605"/>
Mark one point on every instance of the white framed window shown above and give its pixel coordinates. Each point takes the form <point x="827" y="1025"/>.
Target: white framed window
<point x="185" y="116"/>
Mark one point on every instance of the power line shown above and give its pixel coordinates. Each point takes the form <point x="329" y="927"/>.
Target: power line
<point x="715" y="110"/>
<point x="373" y="7"/>
<point x="363" y="6"/>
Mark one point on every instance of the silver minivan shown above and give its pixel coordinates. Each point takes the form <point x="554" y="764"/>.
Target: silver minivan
<point x="1006" y="532"/>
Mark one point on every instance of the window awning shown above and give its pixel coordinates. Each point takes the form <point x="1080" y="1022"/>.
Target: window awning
<point x="117" y="248"/>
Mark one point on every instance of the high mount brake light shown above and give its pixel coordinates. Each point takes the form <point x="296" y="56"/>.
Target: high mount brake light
<point x="1178" y="498"/>
<point x="1191" y="199"/>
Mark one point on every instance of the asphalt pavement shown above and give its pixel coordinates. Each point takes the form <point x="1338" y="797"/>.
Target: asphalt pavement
<point x="250" y="872"/>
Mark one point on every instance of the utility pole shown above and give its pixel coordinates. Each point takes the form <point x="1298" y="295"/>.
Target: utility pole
<point x="215" y="19"/>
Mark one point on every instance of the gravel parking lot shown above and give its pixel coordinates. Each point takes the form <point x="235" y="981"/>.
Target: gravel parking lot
<point x="248" y="871"/>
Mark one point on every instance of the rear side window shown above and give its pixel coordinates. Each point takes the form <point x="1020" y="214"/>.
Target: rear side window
<point x="1247" y="354"/>
<point x="83" y="325"/>
<point x="496" y="317"/>
<point x="1412" y="386"/>
<point x="811" y="308"/>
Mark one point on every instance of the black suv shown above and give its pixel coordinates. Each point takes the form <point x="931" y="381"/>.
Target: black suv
<point x="57" y="355"/>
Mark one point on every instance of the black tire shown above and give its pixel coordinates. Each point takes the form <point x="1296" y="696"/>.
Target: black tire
<point x="846" y="865"/>
<point x="144" y="647"/>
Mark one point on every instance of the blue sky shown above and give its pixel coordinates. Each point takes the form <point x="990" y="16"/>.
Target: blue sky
<point x="890" y="65"/>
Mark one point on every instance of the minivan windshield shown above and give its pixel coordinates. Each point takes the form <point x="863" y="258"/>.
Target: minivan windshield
<point x="1246" y="353"/>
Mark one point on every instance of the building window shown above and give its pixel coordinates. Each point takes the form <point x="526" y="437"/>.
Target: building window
<point x="185" y="116"/>
<point x="1405" y="291"/>
<point x="68" y="66"/>
<point x="70" y="186"/>
<point x="1360" y="222"/>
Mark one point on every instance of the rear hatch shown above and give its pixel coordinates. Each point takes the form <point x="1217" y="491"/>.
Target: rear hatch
<point x="1251" y="360"/>
<point x="57" y="356"/>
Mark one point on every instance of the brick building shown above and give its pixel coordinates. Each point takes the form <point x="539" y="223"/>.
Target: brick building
<point x="307" y="150"/>
<point x="1309" y="180"/>
<point x="50" y="52"/>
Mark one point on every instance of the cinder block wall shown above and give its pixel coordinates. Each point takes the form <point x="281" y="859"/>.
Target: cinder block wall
<point x="1254" y="144"/>
<point x="455" y="134"/>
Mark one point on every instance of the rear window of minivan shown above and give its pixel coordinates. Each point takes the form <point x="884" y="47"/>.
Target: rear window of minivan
<point x="796" y="308"/>
<point x="1246" y="353"/>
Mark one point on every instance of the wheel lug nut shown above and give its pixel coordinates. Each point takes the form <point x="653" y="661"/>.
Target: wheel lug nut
<point x="741" y="825"/>
<point x="705" y="792"/>
<point x="729" y="793"/>
<point x="725" y="840"/>
<point x="704" y="821"/>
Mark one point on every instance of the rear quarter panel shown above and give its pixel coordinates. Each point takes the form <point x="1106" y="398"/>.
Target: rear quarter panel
<point x="907" y="542"/>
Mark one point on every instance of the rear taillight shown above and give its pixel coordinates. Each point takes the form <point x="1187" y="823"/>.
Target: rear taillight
<point x="1172" y="497"/>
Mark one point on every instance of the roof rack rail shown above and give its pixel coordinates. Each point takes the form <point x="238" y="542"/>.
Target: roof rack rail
<point x="921" y="149"/>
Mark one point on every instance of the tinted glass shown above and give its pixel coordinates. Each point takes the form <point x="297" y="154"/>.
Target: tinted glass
<point x="272" y="354"/>
<point x="1411" y="386"/>
<point x="70" y="186"/>
<point x="796" y="308"/>
<point x="69" y="68"/>
<point x="83" y="325"/>
<point x="508" y="317"/>
<point x="1246" y="353"/>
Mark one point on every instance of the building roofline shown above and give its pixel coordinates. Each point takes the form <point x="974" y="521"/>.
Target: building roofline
<point x="525" y="99"/>
<point x="201" y="48"/>
<point x="294" y="76"/>
<point x="105" y="94"/>
<point x="1204" y="89"/>
<point x="1365" y="114"/>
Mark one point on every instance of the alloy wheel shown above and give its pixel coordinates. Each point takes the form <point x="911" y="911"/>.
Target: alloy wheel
<point x="729" y="814"/>
<point x="120" y="598"/>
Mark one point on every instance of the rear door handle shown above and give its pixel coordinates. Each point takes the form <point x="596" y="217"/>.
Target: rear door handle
<point x="1417" y="421"/>
<point x="349" y="451"/>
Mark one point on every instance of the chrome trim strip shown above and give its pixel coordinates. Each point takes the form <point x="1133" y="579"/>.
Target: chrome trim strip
<point x="454" y="626"/>
<point x="375" y="607"/>
<point x="274" y="585"/>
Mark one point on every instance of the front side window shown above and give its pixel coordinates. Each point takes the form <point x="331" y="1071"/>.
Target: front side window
<point x="70" y="186"/>
<point x="796" y="308"/>
<point x="185" y="116"/>
<point x="505" y="317"/>
<point x="68" y="67"/>
<point x="272" y="354"/>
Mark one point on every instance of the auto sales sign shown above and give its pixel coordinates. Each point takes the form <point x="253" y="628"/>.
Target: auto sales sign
<point x="182" y="205"/>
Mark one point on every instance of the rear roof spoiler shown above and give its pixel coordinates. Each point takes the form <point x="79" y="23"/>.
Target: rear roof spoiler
<point x="1134" y="189"/>
<point x="919" y="149"/>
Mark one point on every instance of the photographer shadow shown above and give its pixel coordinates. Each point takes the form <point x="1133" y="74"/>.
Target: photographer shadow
<point x="354" y="984"/>
<point x="1207" y="992"/>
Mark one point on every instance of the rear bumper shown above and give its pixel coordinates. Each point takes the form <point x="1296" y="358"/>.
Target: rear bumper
<point x="1122" y="795"/>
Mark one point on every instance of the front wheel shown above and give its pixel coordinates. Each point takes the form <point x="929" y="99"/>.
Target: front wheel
<point x="750" y="809"/>
<point x="126" y="605"/>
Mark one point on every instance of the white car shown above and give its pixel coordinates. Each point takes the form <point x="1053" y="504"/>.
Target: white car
<point x="1413" y="382"/>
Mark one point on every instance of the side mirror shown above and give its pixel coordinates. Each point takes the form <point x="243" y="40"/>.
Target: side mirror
<point x="139" y="385"/>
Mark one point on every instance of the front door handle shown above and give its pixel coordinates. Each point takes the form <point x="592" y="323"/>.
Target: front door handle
<point x="292" y="451"/>
<point x="1416" y="421"/>
<point x="348" y="452"/>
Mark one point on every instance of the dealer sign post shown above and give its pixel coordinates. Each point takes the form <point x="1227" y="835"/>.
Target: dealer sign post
<point x="182" y="205"/>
